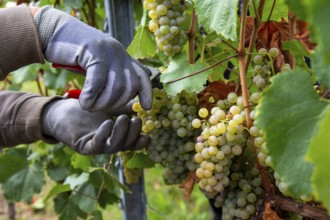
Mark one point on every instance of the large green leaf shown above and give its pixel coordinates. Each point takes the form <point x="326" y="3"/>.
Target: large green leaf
<point x="321" y="69"/>
<point x="82" y="162"/>
<point x="24" y="184"/>
<point x="219" y="16"/>
<point x="289" y="113"/>
<point x="140" y="160"/>
<point x="75" y="180"/>
<point x="298" y="7"/>
<point x="85" y="198"/>
<point x="179" y="67"/>
<point x="142" y="45"/>
<point x="319" y="14"/>
<point x="66" y="208"/>
<point x="57" y="189"/>
<point x="298" y="51"/>
<point x="319" y="155"/>
<point x="11" y="161"/>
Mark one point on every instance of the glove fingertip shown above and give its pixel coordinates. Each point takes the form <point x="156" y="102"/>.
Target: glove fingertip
<point x="142" y="142"/>
<point x="146" y="101"/>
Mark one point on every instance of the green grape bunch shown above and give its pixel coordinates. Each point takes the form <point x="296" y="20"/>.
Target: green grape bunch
<point x="166" y="20"/>
<point x="169" y="126"/>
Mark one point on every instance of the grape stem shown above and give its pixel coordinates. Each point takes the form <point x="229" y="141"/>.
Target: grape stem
<point x="191" y="35"/>
<point x="241" y="61"/>
<point x="271" y="11"/>
<point x="203" y="70"/>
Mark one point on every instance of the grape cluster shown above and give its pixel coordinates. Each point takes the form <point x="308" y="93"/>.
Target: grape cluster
<point x="169" y="125"/>
<point x="131" y="175"/>
<point x="166" y="19"/>
<point x="263" y="66"/>
<point x="223" y="151"/>
<point x="243" y="195"/>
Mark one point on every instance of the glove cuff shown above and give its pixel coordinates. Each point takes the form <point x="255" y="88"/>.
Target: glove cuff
<point x="47" y="20"/>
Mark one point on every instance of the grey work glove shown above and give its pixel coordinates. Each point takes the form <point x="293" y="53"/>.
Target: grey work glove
<point x="113" y="78"/>
<point x="91" y="132"/>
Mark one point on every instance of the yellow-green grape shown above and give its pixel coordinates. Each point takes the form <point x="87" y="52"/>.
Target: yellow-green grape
<point x="203" y="112"/>
<point x="196" y="123"/>
<point x="153" y="26"/>
<point x="136" y="107"/>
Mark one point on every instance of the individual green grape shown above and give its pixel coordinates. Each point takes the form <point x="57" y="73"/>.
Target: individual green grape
<point x="262" y="51"/>
<point x="274" y="52"/>
<point x="161" y="10"/>
<point x="257" y="59"/>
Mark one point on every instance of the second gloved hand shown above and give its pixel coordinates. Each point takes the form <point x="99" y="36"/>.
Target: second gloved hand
<point x="113" y="78"/>
<point x="91" y="132"/>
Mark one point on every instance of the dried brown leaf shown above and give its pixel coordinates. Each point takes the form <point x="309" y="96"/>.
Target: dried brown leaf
<point x="189" y="184"/>
<point x="214" y="91"/>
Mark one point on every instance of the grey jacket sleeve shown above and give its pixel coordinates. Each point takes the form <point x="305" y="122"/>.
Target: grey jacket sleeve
<point x="19" y="40"/>
<point x="20" y="118"/>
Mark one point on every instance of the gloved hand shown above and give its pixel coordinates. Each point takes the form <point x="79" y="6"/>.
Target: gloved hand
<point x="113" y="78"/>
<point x="91" y="132"/>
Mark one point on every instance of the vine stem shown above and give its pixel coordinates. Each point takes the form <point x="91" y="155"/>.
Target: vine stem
<point x="305" y="210"/>
<point x="255" y="30"/>
<point x="241" y="62"/>
<point x="203" y="70"/>
<point x="107" y="167"/>
<point x="191" y="36"/>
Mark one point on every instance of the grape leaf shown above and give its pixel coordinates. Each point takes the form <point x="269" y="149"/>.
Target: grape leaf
<point x="57" y="189"/>
<point x="66" y="208"/>
<point x="319" y="14"/>
<point x="318" y="154"/>
<point x="140" y="160"/>
<point x="85" y="198"/>
<point x="142" y="45"/>
<point x="179" y="67"/>
<point x="112" y="182"/>
<point x="298" y="51"/>
<point x="25" y="183"/>
<point x="27" y="73"/>
<point x="96" y="215"/>
<point x="82" y="162"/>
<point x="276" y="12"/>
<point x="321" y="69"/>
<point x="11" y="161"/>
<point x="74" y="180"/>
<point x="289" y="113"/>
<point x="219" y="16"/>
<point x="298" y="8"/>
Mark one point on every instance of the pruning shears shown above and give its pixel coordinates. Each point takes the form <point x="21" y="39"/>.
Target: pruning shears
<point x="74" y="93"/>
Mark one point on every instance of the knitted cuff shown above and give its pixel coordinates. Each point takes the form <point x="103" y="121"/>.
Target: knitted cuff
<point x="47" y="20"/>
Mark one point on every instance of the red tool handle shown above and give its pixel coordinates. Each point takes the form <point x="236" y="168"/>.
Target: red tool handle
<point x="74" y="68"/>
<point x="74" y="93"/>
